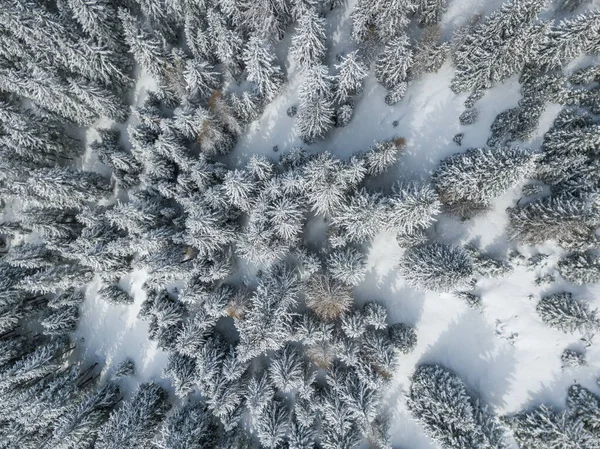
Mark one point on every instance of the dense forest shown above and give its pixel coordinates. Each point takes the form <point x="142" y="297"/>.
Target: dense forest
<point x="251" y="266"/>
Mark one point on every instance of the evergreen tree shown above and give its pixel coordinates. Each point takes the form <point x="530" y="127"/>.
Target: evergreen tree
<point x="188" y="427"/>
<point x="262" y="69"/>
<point x="467" y="182"/>
<point x="580" y="268"/>
<point x="351" y="73"/>
<point x="569" y="220"/>
<point x="561" y="311"/>
<point x="431" y="11"/>
<point x="315" y="116"/>
<point x="347" y="265"/>
<point x="498" y="48"/>
<point x="570" y="38"/>
<point x="79" y="426"/>
<point x="327" y="297"/>
<point x="437" y="267"/>
<point x="430" y="52"/>
<point x="439" y="400"/>
<point x="134" y="424"/>
<point x="584" y="406"/>
<point x="308" y="43"/>
<point x="544" y="426"/>
<point x="394" y="62"/>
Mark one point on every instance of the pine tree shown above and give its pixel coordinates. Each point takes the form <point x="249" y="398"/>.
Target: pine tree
<point x="181" y="369"/>
<point x="188" y="427"/>
<point x="79" y="425"/>
<point x="351" y="73"/>
<point x="430" y="11"/>
<point x="403" y="337"/>
<point x="61" y="321"/>
<point x="439" y="400"/>
<point x="430" y="52"/>
<point x="262" y="69"/>
<point x="570" y="38"/>
<point x="327" y="297"/>
<point x="554" y="429"/>
<point x="571" y="358"/>
<point x="274" y="424"/>
<point x="125" y="368"/>
<point x="347" y="265"/>
<point x="393" y="64"/>
<point x="315" y="117"/>
<point x="437" y="267"/>
<point x="147" y="49"/>
<point x="561" y="311"/>
<point x="467" y="182"/>
<point x="569" y="220"/>
<point x="286" y="370"/>
<point x="580" y="268"/>
<point x="308" y="43"/>
<point x="584" y="406"/>
<point x="134" y="424"/>
<point x="498" y="48"/>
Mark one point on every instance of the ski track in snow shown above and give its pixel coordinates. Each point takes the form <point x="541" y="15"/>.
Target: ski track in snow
<point x="508" y="377"/>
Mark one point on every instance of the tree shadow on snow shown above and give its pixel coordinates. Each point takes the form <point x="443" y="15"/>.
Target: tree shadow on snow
<point x="471" y="349"/>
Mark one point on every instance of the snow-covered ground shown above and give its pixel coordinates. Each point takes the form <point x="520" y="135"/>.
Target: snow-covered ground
<point x="503" y="352"/>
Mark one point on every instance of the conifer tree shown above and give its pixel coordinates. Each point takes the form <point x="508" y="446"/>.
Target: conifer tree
<point x="570" y="38"/>
<point x="188" y="427"/>
<point x="431" y="11"/>
<point x="439" y="400"/>
<point x="580" y="268"/>
<point x="437" y="267"/>
<point x="561" y="311"/>
<point x="351" y="73"/>
<point x="315" y="116"/>
<point x="499" y="47"/>
<point x="394" y="62"/>
<point x="469" y="181"/>
<point x="133" y="425"/>
<point x="569" y="220"/>
<point x="308" y="43"/>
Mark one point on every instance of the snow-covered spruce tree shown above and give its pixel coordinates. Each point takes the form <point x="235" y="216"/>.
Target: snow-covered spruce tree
<point x="544" y="426"/>
<point x="584" y="406"/>
<point x="262" y="69"/>
<point x="308" y="42"/>
<point x="315" y="115"/>
<point x="438" y="399"/>
<point x="468" y="182"/>
<point x="430" y="53"/>
<point x="374" y="20"/>
<point x="497" y="48"/>
<point x="394" y="62"/>
<point x="567" y="314"/>
<point x="437" y="267"/>
<point x="82" y="420"/>
<point x="570" y="220"/>
<point x="351" y="73"/>
<point x="580" y="268"/>
<point x="133" y="425"/>
<point x="188" y="427"/>
<point x="568" y="39"/>
<point x="430" y="11"/>
<point x="328" y="297"/>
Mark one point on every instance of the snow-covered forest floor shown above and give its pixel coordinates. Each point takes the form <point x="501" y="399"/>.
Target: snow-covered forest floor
<point x="502" y="351"/>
